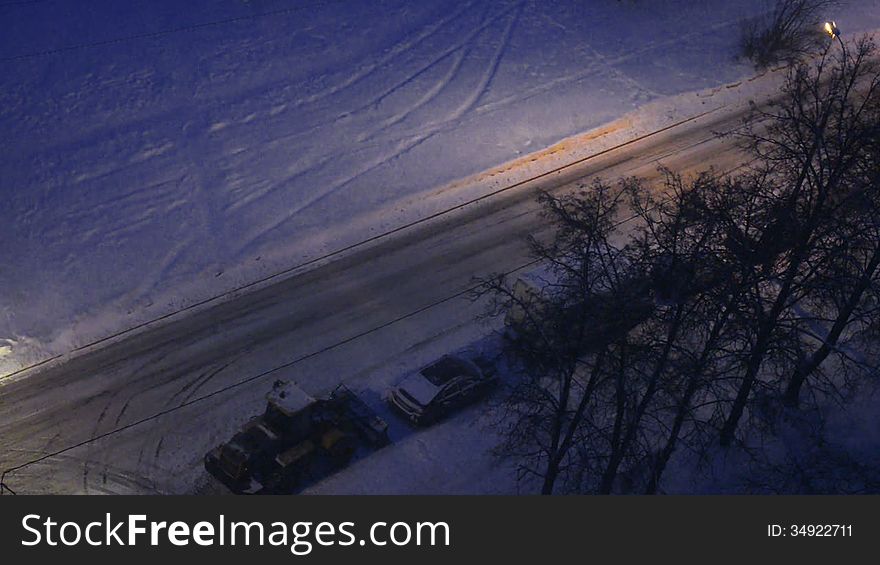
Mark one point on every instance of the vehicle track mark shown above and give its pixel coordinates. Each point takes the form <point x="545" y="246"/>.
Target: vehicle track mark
<point x="393" y="53"/>
<point x="405" y="146"/>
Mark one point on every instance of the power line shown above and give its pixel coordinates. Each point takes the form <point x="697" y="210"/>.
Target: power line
<point x="252" y="378"/>
<point x="357" y="336"/>
<point x="302" y="358"/>
<point x="363" y="242"/>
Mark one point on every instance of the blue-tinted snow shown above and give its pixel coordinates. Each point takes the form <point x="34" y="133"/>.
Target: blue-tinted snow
<point x="153" y="152"/>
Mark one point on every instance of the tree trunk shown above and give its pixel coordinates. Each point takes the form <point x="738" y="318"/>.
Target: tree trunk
<point x="617" y="454"/>
<point x="804" y="370"/>
<point x="684" y="405"/>
<point x="762" y="343"/>
<point x="550" y="479"/>
<point x="672" y="440"/>
<point x="756" y="359"/>
<point x="607" y="481"/>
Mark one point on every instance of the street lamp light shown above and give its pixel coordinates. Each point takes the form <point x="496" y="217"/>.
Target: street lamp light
<point x="831" y="29"/>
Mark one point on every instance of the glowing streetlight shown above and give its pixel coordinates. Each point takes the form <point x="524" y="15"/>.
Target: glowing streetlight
<point x="831" y="29"/>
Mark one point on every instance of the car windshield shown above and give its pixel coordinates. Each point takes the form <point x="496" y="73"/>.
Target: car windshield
<point x="445" y="369"/>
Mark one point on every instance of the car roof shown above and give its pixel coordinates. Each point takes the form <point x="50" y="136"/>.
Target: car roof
<point x="448" y="367"/>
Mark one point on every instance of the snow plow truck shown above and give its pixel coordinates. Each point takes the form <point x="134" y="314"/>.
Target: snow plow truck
<point x="297" y="440"/>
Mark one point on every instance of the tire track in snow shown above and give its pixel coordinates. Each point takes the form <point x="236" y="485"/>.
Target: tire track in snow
<point x="620" y="75"/>
<point x="406" y="146"/>
<point x="594" y="70"/>
<point x="132" y="482"/>
<point x="501" y="104"/>
<point x="435" y="127"/>
<point x="194" y="387"/>
<point x="429" y="96"/>
<point x="397" y="50"/>
<point x="87" y="459"/>
<point x="148" y="283"/>
<point x="144" y="203"/>
<point x="282" y="140"/>
<point x="464" y="43"/>
<point x="155" y="437"/>
<point x="278" y="142"/>
<point x="520" y="95"/>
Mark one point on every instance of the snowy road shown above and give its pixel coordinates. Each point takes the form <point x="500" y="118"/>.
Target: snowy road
<point x="363" y="317"/>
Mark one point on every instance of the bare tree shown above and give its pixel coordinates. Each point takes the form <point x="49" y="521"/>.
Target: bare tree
<point x="694" y="280"/>
<point x="723" y="300"/>
<point x="791" y="32"/>
<point x="603" y="345"/>
<point x="808" y="153"/>
<point x="565" y="330"/>
<point x="844" y="295"/>
<point x="672" y="250"/>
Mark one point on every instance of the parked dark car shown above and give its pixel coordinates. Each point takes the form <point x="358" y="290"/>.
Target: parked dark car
<point x="440" y="388"/>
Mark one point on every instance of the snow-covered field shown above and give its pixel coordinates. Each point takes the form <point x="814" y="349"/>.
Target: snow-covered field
<point x="154" y="153"/>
